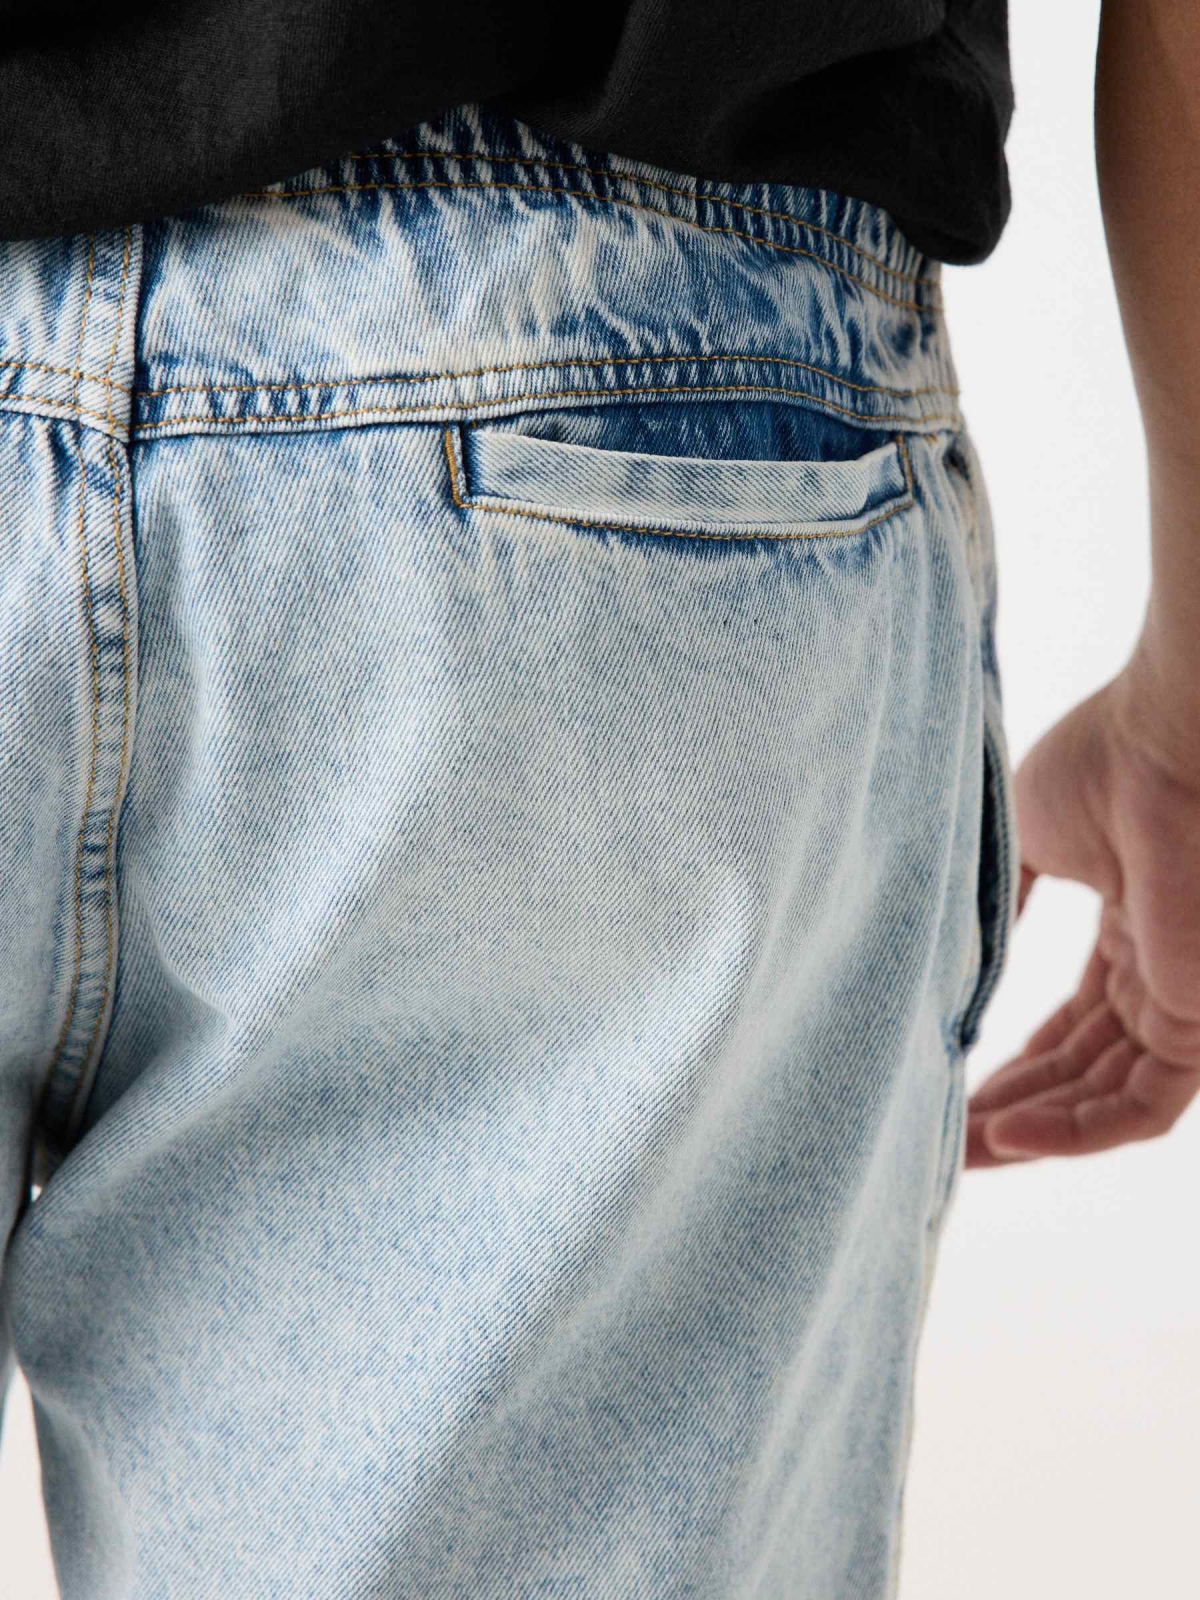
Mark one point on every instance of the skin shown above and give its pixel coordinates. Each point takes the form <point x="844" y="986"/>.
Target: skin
<point x="1110" y="796"/>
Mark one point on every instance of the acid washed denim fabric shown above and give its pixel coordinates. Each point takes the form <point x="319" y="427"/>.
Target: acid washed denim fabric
<point x="507" y="839"/>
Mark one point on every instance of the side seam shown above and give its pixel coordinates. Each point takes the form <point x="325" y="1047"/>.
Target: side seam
<point x="108" y="602"/>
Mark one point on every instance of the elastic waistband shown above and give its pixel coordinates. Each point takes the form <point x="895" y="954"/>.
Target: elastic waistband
<point x="475" y="266"/>
<point x="475" y="148"/>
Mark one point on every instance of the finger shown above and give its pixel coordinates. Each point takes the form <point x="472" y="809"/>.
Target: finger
<point x="1061" y="1081"/>
<point x="1052" y="1035"/>
<point x="1146" y="1103"/>
<point x="979" y="1154"/>
<point x="1091" y="1036"/>
<point x="1089" y="991"/>
<point x="1105" y="1074"/>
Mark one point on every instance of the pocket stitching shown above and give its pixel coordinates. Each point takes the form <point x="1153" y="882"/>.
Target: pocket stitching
<point x="469" y="502"/>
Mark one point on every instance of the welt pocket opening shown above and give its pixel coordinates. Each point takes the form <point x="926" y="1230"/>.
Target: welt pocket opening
<point x="518" y="473"/>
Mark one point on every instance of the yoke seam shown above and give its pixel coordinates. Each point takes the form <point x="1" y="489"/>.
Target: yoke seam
<point x="543" y="394"/>
<point x="933" y="309"/>
<point x="295" y="386"/>
<point x="541" y="366"/>
<point x="15" y="401"/>
<point x="77" y="373"/>
<point x="439" y="377"/>
<point x="645" y="183"/>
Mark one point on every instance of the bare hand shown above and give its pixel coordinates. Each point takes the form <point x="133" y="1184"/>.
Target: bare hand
<point x="1111" y="798"/>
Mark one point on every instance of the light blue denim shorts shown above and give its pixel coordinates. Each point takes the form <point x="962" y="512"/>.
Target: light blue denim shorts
<point x="507" y="838"/>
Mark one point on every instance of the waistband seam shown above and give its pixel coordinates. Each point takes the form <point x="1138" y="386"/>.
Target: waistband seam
<point x="743" y="365"/>
<point x="465" y="394"/>
<point x="546" y="366"/>
<point x="464" y="409"/>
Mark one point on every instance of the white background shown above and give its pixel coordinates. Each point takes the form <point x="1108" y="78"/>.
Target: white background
<point x="1057" y="1443"/>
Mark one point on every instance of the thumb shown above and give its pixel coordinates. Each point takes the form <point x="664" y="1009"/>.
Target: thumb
<point x="1060" y="791"/>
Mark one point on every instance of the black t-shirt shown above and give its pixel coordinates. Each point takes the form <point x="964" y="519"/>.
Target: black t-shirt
<point x="126" y="112"/>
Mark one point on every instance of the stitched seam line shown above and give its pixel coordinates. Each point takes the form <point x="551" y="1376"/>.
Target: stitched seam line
<point x="547" y="394"/>
<point x="606" y="199"/>
<point x="437" y="377"/>
<point x="477" y="504"/>
<point x="109" y="863"/>
<point x="540" y="366"/>
<point x="66" y="372"/>
<point x="77" y="968"/>
<point x="14" y="401"/>
<point x="109" y="886"/>
<point x="645" y="183"/>
<point x="77" y="374"/>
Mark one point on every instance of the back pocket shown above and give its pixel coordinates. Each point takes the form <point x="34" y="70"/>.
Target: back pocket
<point x="704" y="469"/>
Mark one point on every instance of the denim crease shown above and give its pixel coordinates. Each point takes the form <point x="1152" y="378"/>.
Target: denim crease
<point x="508" y="841"/>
